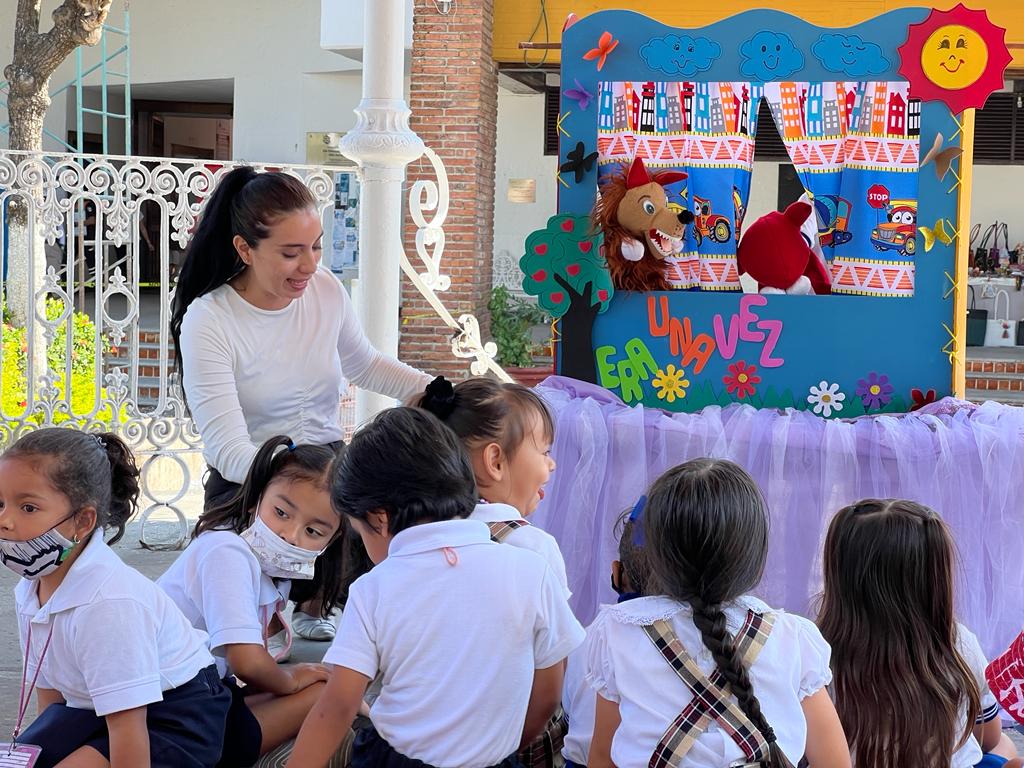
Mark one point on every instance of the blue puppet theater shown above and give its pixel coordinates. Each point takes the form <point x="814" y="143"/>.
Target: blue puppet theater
<point x="815" y="346"/>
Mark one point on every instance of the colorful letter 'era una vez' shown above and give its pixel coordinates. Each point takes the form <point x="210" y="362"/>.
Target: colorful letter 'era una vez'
<point x="843" y="304"/>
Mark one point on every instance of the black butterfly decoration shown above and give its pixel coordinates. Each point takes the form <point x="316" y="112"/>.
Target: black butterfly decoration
<point x="577" y="163"/>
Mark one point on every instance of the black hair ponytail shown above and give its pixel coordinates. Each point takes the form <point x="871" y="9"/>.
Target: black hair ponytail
<point x="91" y="470"/>
<point x="706" y="533"/>
<point x="124" y="484"/>
<point x="244" y="203"/>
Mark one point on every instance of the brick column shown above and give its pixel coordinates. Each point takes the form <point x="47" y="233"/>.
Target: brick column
<point x="454" y="102"/>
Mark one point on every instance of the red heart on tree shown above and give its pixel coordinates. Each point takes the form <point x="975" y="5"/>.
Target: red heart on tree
<point x="586" y="245"/>
<point x="602" y="295"/>
<point x="573" y="269"/>
<point x="557" y="297"/>
<point x="540" y="275"/>
<point x="540" y="249"/>
<point x="567" y="225"/>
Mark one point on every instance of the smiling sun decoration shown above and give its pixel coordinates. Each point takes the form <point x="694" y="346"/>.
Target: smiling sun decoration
<point x="957" y="57"/>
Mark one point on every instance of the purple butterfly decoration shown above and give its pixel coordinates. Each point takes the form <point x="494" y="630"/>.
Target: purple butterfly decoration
<point x="580" y="95"/>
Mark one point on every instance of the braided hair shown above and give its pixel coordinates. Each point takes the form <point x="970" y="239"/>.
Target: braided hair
<point x="706" y="527"/>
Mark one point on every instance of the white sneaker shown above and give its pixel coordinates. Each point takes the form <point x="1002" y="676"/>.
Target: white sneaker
<point x="279" y="646"/>
<point x="312" y="627"/>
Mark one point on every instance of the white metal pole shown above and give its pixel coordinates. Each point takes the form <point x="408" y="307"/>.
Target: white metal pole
<point x="383" y="145"/>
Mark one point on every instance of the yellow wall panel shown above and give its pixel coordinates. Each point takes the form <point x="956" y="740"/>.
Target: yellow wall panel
<point x="515" y="19"/>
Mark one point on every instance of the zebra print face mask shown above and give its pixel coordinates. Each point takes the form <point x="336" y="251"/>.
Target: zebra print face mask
<point x="37" y="557"/>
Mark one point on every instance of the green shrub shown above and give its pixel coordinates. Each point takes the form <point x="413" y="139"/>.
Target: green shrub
<point x="83" y="361"/>
<point x="512" y="321"/>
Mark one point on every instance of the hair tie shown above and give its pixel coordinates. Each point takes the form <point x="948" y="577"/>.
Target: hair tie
<point x="439" y="397"/>
<point x="291" y="446"/>
<point x="635" y="518"/>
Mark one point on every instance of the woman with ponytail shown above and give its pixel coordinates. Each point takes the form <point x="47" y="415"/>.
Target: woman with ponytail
<point x="265" y="338"/>
<point x="704" y="675"/>
<point x="121" y="678"/>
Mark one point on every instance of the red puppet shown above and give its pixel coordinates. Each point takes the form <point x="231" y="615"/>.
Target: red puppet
<point x="777" y="252"/>
<point x="640" y="229"/>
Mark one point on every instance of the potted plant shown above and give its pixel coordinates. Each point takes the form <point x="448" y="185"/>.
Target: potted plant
<point x="512" y="324"/>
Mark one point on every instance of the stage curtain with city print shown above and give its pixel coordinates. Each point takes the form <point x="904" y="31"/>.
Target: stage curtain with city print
<point x="855" y="147"/>
<point x="705" y="129"/>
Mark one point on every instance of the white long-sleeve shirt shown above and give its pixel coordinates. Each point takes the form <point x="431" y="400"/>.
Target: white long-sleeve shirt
<point x="251" y="373"/>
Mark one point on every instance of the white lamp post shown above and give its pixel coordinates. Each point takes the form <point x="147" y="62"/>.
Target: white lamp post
<point x="383" y="145"/>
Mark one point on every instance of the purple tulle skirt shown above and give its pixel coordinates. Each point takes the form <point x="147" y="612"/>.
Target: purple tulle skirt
<point x="964" y="461"/>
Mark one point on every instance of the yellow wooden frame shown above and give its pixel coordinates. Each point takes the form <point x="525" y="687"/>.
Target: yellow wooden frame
<point x="961" y="264"/>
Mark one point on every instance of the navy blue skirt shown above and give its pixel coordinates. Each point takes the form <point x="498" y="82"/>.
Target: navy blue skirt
<point x="371" y="751"/>
<point x="242" y="734"/>
<point x="186" y="729"/>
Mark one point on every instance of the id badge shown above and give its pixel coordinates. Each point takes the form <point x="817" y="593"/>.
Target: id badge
<point x="18" y="755"/>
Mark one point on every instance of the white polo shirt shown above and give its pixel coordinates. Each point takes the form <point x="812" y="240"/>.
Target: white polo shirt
<point x="456" y="645"/>
<point x="624" y="666"/>
<point x="579" y="701"/>
<point x="118" y="641"/>
<point x="528" y="537"/>
<point x="217" y="583"/>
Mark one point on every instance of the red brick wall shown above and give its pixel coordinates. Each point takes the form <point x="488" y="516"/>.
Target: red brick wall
<point x="454" y="102"/>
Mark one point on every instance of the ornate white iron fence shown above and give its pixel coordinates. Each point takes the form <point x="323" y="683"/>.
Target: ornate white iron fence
<point x="110" y="231"/>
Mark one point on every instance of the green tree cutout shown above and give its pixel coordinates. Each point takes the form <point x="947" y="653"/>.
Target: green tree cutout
<point x="563" y="267"/>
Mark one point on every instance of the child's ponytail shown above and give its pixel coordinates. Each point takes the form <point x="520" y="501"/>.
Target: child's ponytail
<point x="124" y="484"/>
<point x="706" y="533"/>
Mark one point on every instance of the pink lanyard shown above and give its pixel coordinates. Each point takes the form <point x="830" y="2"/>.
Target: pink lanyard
<point x="25" y="698"/>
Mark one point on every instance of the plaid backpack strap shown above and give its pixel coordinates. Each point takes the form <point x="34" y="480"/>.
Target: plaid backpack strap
<point x="546" y="750"/>
<point x="711" y="698"/>
<point x="501" y="530"/>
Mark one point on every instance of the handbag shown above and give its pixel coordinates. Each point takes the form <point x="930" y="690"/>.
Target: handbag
<point x="1003" y="250"/>
<point x="977" y="319"/>
<point x="980" y="258"/>
<point x="1001" y="331"/>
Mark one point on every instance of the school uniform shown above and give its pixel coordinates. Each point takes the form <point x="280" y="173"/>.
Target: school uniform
<point x="580" y="702"/>
<point x="508" y="527"/>
<point x="970" y="753"/>
<point x="117" y="642"/>
<point x="628" y="650"/>
<point x="456" y="625"/>
<point x="219" y="586"/>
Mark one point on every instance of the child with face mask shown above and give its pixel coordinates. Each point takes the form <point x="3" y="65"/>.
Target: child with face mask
<point x="120" y="676"/>
<point x="233" y="582"/>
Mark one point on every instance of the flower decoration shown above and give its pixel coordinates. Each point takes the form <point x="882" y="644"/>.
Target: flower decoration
<point x="921" y="399"/>
<point x="875" y="391"/>
<point x="671" y="383"/>
<point x="826" y="398"/>
<point x="605" y="45"/>
<point x="741" y="379"/>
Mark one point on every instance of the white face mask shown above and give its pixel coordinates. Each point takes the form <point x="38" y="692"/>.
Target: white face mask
<point x="36" y="557"/>
<point x="279" y="559"/>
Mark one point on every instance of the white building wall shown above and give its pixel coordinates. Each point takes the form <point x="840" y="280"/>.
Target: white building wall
<point x="285" y="84"/>
<point x="520" y="155"/>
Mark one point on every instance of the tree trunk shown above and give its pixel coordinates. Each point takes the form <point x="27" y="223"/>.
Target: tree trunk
<point x="36" y="57"/>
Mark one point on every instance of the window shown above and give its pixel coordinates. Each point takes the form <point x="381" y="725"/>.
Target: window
<point x="999" y="130"/>
<point x="767" y="143"/>
<point x="551" y="104"/>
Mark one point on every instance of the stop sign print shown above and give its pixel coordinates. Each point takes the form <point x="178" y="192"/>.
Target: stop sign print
<point x="878" y="196"/>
